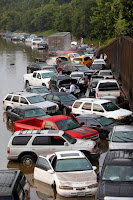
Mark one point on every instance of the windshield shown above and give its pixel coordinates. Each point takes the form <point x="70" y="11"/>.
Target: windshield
<point x="34" y="113"/>
<point x="48" y="75"/>
<point x="75" y="164"/>
<point x="123" y="136"/>
<point x="50" y="69"/>
<point x="110" y="106"/>
<point x="35" y="99"/>
<point x="118" y="173"/>
<point x="69" y="138"/>
<point x="69" y="97"/>
<point x="105" y="121"/>
<point x="67" y="124"/>
<point x="40" y="90"/>
<point x="82" y="68"/>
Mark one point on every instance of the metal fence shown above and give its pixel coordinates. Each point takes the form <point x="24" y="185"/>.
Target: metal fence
<point x="120" y="59"/>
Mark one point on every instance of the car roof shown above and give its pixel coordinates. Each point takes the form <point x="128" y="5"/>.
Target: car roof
<point x="123" y="128"/>
<point x="38" y="132"/>
<point x="82" y="56"/>
<point x="69" y="155"/>
<point x="62" y="77"/>
<point x="24" y="94"/>
<point x="118" y="156"/>
<point x="57" y="118"/>
<point x="8" y="181"/>
<point x="43" y="71"/>
<point x="32" y="87"/>
<point x="95" y="100"/>
<point x="108" y="80"/>
<point x="27" y="107"/>
<point x="92" y="116"/>
<point x="59" y="93"/>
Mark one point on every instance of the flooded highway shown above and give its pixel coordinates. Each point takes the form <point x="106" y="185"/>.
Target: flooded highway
<point x="14" y="58"/>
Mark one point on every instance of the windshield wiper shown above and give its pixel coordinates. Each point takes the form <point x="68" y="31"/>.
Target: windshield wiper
<point x="128" y="138"/>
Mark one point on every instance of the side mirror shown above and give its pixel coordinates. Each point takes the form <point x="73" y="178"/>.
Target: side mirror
<point x="82" y="123"/>
<point x="51" y="171"/>
<point x="94" y="168"/>
<point x="66" y="144"/>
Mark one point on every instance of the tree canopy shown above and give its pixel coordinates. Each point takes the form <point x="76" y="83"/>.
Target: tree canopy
<point x="99" y="19"/>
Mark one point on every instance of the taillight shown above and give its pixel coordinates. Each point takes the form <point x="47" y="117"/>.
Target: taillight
<point x="83" y="63"/>
<point x="8" y="149"/>
<point x="48" y="82"/>
<point x="71" y="109"/>
<point x="97" y="94"/>
<point x="120" y="94"/>
<point x="3" y="102"/>
<point x="83" y="79"/>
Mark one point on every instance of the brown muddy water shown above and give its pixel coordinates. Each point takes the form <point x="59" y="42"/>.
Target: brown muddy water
<point x="14" y="58"/>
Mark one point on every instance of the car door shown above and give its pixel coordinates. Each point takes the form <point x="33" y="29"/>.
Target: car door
<point x="86" y="108"/>
<point x="41" y="171"/>
<point x="97" y="109"/>
<point x="57" y="101"/>
<point x="33" y="79"/>
<point x="38" y="80"/>
<point x="15" y="101"/>
<point x="15" y="114"/>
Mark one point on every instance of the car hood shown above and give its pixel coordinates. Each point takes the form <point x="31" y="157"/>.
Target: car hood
<point x="76" y="178"/>
<point x="83" y="132"/>
<point x="83" y="143"/>
<point x="67" y="81"/>
<point x="68" y="103"/>
<point x="119" y="113"/>
<point x="45" y="104"/>
<point x="115" y="189"/>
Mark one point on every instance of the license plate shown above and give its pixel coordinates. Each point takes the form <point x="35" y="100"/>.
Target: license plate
<point x="81" y="194"/>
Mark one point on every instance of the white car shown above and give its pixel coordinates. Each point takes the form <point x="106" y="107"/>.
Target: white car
<point x="121" y="137"/>
<point x="72" y="55"/>
<point x="36" y="41"/>
<point x="106" y="74"/>
<point x="99" y="61"/>
<point x="69" y="172"/>
<point x="107" y="87"/>
<point x="101" y="107"/>
<point x="38" y="78"/>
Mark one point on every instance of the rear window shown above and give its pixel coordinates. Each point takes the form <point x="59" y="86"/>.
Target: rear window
<point x="8" y="98"/>
<point x="77" y="104"/>
<point x="108" y="86"/>
<point x="21" y="140"/>
<point x="78" y="59"/>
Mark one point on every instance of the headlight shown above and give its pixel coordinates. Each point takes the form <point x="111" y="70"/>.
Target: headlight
<point x="121" y="117"/>
<point x="93" y="185"/>
<point x="65" y="187"/>
<point x="57" y="106"/>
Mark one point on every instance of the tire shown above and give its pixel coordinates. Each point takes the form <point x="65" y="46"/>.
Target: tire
<point x="27" y="160"/>
<point x="8" y="108"/>
<point x="64" y="111"/>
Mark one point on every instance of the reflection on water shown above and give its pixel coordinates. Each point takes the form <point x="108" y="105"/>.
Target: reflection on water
<point x="14" y="59"/>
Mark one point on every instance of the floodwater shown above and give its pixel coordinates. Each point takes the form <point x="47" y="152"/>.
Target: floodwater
<point x="14" y="58"/>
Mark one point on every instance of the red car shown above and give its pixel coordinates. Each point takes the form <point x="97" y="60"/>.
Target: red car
<point x="58" y="122"/>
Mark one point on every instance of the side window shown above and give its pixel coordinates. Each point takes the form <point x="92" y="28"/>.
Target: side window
<point x="23" y="100"/>
<point x="87" y="106"/>
<point x="15" y="99"/>
<point x="97" y="107"/>
<point x="20" y="140"/>
<point x="34" y="75"/>
<point x="8" y="98"/>
<point x="42" y="140"/>
<point x="55" y="98"/>
<point x="38" y="76"/>
<point x="77" y="104"/>
<point x="42" y="163"/>
<point x="57" y="141"/>
<point x="49" y="97"/>
<point x="49" y="125"/>
<point x="75" y="68"/>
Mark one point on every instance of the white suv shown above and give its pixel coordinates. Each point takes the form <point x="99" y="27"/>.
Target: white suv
<point x="13" y="100"/>
<point x="101" y="107"/>
<point x="26" y="145"/>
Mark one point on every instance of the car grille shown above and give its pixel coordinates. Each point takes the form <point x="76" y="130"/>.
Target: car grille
<point x="52" y="108"/>
<point x="95" y="137"/>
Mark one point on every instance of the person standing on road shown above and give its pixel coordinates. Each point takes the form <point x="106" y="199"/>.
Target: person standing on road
<point x="72" y="88"/>
<point x="90" y="88"/>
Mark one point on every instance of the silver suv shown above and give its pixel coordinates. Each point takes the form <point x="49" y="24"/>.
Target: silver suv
<point x="26" y="145"/>
<point x="13" y="100"/>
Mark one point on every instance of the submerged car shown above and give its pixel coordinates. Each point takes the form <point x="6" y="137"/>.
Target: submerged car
<point x="69" y="172"/>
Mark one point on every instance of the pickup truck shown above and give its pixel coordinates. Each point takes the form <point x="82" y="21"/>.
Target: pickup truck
<point x="69" y="124"/>
<point x="107" y="87"/>
<point x="38" y="78"/>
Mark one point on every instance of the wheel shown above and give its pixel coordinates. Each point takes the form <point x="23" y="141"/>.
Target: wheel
<point x="64" y="111"/>
<point x="28" y="160"/>
<point x="27" y="84"/>
<point x="8" y="108"/>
